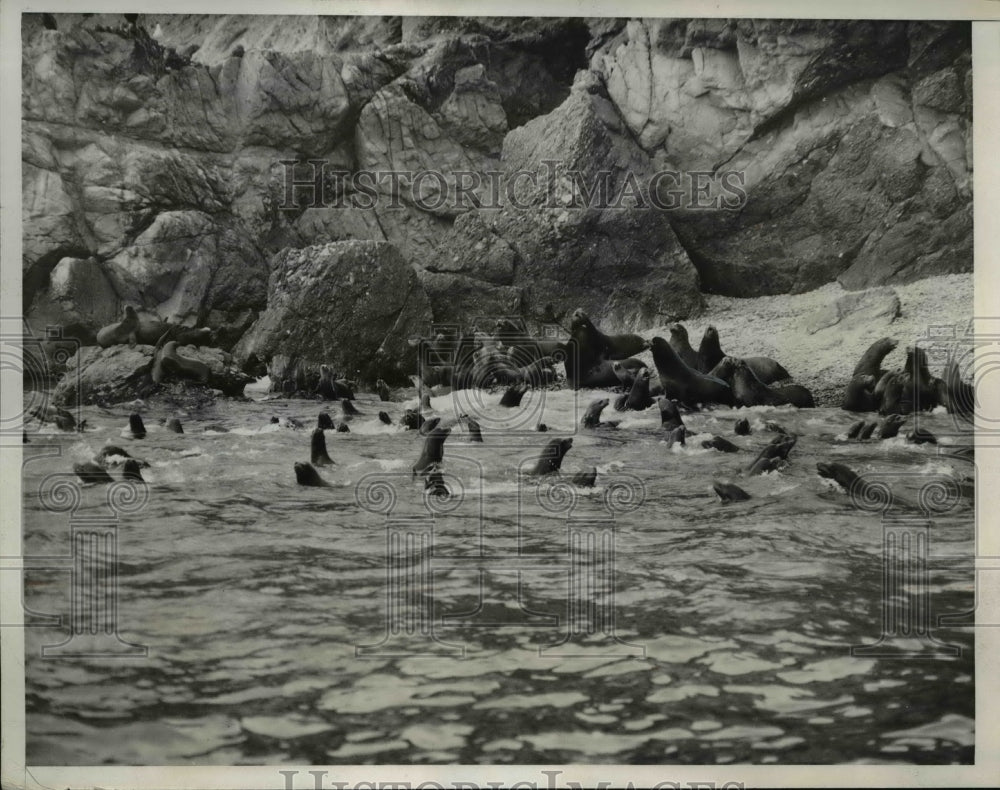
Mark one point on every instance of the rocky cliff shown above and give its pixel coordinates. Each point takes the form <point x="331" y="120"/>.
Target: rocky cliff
<point x="501" y="165"/>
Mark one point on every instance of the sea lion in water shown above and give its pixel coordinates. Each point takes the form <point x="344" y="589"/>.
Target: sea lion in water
<point x="890" y="426"/>
<point x="867" y="431"/>
<point x="585" y="478"/>
<point x="742" y="427"/>
<point x="855" y="430"/>
<point x="839" y="473"/>
<point x="324" y="421"/>
<point x="542" y="427"/>
<point x="748" y="390"/>
<point x="317" y="449"/>
<point x="684" y="384"/>
<point x="130" y="471"/>
<point x="122" y="332"/>
<point x="680" y="344"/>
<point x="433" y="450"/>
<point x="592" y="417"/>
<point x="89" y="472"/>
<point x="306" y="475"/>
<point x="921" y="436"/>
<point x="135" y="426"/>
<point x="773" y="454"/>
<point x="513" y="396"/>
<point x="638" y="397"/>
<point x="46" y="412"/>
<point x="552" y="456"/>
<point x="677" y="435"/>
<point x="434" y="484"/>
<point x="670" y="416"/>
<point x="348" y="409"/>
<point x="589" y="353"/>
<point x="475" y="432"/>
<point x="382" y="389"/>
<point x="720" y="444"/>
<point x="428" y="425"/>
<point x="710" y="354"/>
<point x="343" y="427"/>
<point x="110" y="451"/>
<point x="327" y="387"/>
<point x="728" y="492"/>
<point x="412" y="419"/>
<point x="167" y="360"/>
<point x="174" y="425"/>
<point x="384" y="417"/>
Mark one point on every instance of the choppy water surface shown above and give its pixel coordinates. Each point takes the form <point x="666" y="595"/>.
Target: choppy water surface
<point x="252" y="593"/>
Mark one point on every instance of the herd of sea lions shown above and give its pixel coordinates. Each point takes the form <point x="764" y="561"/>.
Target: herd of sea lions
<point x="680" y="380"/>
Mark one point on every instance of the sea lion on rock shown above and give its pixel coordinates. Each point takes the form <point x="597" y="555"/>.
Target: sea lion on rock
<point x="625" y="370"/>
<point x="748" y="390"/>
<point x="317" y="449"/>
<point x="796" y="394"/>
<point x="710" y="354"/>
<point x="860" y="394"/>
<point x="870" y="363"/>
<point x="150" y="330"/>
<point x="728" y="492"/>
<point x="306" y="475"/>
<point x="589" y="353"/>
<point x="684" y="384"/>
<point x="552" y="456"/>
<point x="167" y="360"/>
<point x="433" y="450"/>
<point x="680" y="344"/>
<point x="122" y="332"/>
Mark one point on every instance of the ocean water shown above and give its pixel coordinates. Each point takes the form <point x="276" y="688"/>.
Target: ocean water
<point x="516" y="621"/>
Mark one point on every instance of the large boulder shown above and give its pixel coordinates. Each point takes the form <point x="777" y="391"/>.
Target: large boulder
<point x="122" y="373"/>
<point x="353" y="305"/>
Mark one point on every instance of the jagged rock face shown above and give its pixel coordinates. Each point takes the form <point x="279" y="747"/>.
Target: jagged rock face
<point x="352" y="305"/>
<point x="852" y="140"/>
<point x="159" y="154"/>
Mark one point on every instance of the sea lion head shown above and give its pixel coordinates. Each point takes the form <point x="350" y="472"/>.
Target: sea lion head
<point x="678" y="332"/>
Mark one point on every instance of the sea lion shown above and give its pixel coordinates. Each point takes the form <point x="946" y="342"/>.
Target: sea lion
<point x="796" y="394"/>
<point x="150" y="330"/>
<point x="670" y="416"/>
<point x="773" y="453"/>
<point x="710" y="354"/>
<point x="921" y="436"/>
<point x="748" y="390"/>
<point x="384" y="417"/>
<point x="860" y="394"/>
<point x="382" y="389"/>
<point x="348" y="409"/>
<point x="680" y="344"/>
<point x="728" y="492"/>
<point x="775" y="427"/>
<point x="428" y="425"/>
<point x="684" y="384"/>
<point x="620" y="402"/>
<point x="434" y="484"/>
<point x="89" y="472"/>
<point x="130" y="471"/>
<point x="412" y="419"/>
<point x="343" y="427"/>
<point x="638" y="397"/>
<point x="135" y="426"/>
<point x="433" y="450"/>
<point x="839" y="473"/>
<point x="625" y="370"/>
<point x="537" y="373"/>
<point x="174" y="425"/>
<point x="552" y="456"/>
<point x="108" y="455"/>
<point x="585" y="478"/>
<point x="324" y="421"/>
<point x="870" y="363"/>
<point x="720" y="444"/>
<point x="167" y="360"/>
<point x="867" y="431"/>
<point x="63" y="420"/>
<point x="525" y="345"/>
<point x="542" y="427"/>
<point x="592" y="417"/>
<point x="589" y="353"/>
<point x="912" y="389"/>
<point x="122" y="332"/>
<point x="512" y="397"/>
<point x="317" y="449"/>
<point x="306" y="475"/>
<point x="742" y="427"/>
<point x="677" y="435"/>
<point x="855" y="430"/>
<point x="890" y="426"/>
<point x="475" y="432"/>
<point x="327" y="386"/>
